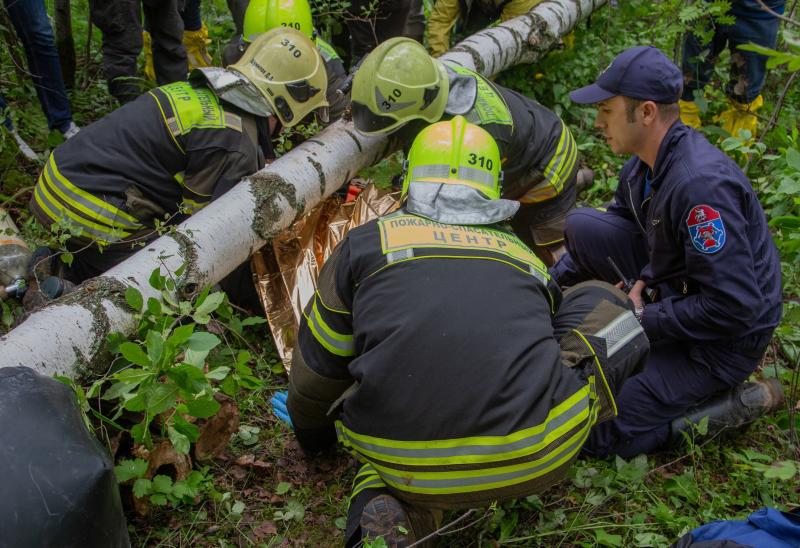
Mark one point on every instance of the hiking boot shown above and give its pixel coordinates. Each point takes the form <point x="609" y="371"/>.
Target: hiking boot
<point x="71" y="130"/>
<point x="385" y="517"/>
<point x="731" y="409"/>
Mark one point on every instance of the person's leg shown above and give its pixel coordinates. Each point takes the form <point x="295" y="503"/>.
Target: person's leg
<point x="191" y="15"/>
<point x="368" y="29"/>
<point x="367" y="486"/>
<point x="677" y="376"/>
<point x="166" y="31"/>
<point x="120" y="21"/>
<point x="29" y="18"/>
<point x="748" y="69"/>
<point x="541" y="224"/>
<point x="591" y="237"/>
<point x="698" y="62"/>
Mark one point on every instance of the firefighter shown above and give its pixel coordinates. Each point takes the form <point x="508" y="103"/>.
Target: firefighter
<point x="264" y="15"/>
<point x="400" y="86"/>
<point x="469" y="17"/>
<point x="174" y="149"/>
<point x="748" y="69"/>
<point x="443" y="357"/>
<point x="687" y="226"/>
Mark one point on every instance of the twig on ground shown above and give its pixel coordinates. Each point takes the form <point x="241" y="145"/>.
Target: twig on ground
<point x="778" y="15"/>
<point x="443" y="528"/>
<point x="17" y="194"/>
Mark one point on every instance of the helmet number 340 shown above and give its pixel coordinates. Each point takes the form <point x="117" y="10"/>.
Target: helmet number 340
<point x="293" y="48"/>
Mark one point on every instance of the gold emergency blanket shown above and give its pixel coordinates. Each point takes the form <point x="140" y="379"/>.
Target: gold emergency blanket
<point x="286" y="269"/>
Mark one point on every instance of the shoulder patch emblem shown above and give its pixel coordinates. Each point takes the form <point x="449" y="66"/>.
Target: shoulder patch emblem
<point x="706" y="229"/>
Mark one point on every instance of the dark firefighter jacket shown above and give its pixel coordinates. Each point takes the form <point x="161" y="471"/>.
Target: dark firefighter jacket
<point x="711" y="254"/>
<point x="461" y="394"/>
<point x="176" y="145"/>
<point x="539" y="155"/>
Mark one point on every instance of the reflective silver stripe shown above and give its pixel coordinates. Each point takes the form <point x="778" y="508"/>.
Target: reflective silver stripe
<point x="619" y="332"/>
<point x="338" y="347"/>
<point x="402" y="255"/>
<point x="104" y="215"/>
<point x="233" y="121"/>
<point x="440" y="171"/>
<point x="538" y="275"/>
<point x="60" y="211"/>
<point x="408" y="478"/>
<point x="468" y="450"/>
<point x="172" y="125"/>
<point x="476" y="176"/>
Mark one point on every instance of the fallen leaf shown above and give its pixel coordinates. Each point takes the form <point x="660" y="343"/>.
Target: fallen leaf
<point x="216" y="432"/>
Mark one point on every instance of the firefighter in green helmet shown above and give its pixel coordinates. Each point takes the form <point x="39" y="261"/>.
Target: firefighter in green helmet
<point x="439" y="352"/>
<point x="400" y="87"/>
<point x="174" y="149"/>
<point x="264" y="15"/>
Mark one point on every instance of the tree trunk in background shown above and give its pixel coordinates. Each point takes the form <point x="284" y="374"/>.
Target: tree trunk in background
<point x="68" y="336"/>
<point x="65" y="43"/>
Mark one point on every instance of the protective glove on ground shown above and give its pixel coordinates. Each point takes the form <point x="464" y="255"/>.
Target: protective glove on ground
<point x="279" y="409"/>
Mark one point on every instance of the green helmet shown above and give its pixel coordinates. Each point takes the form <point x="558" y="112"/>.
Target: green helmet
<point x="288" y="71"/>
<point x="264" y="15"/>
<point x="455" y="152"/>
<point x="396" y="83"/>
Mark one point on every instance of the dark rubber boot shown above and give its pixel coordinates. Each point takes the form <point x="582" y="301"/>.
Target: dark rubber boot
<point x="385" y="517"/>
<point x="732" y="409"/>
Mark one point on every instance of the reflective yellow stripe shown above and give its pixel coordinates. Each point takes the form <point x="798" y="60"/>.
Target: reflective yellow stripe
<point x="481" y="449"/>
<point x="335" y="343"/>
<point x="95" y="208"/>
<point x="557" y="171"/>
<point x="465" y="481"/>
<point x="58" y="212"/>
<point x="367" y="478"/>
<point x="167" y="123"/>
<point x="600" y="370"/>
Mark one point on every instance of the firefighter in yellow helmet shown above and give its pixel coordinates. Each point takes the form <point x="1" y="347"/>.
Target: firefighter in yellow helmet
<point x="400" y="86"/>
<point x="174" y="149"/>
<point x="441" y="355"/>
<point x="264" y="15"/>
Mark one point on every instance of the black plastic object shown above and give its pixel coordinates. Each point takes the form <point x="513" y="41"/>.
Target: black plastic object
<point x="55" y="287"/>
<point x="57" y="483"/>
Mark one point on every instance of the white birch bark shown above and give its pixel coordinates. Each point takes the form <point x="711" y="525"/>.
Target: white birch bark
<point x="67" y="337"/>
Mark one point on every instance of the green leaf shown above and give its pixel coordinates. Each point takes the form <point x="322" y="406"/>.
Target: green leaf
<point x="154" y="306"/>
<point x="156" y="279"/>
<point x="142" y="487"/>
<point x="181" y="334"/>
<point x="195" y="358"/>
<point x="118" y="390"/>
<point x="237" y="508"/>
<point x="186" y="428"/>
<point x="155" y="346"/>
<point x="210" y="303"/>
<point x="793" y="158"/>
<point x="134" y="298"/>
<point x="158" y="499"/>
<point x="607" y="539"/>
<point x="230" y="386"/>
<point x="202" y="407"/>
<point x="179" y="441"/>
<point x="202" y="341"/>
<point x="129" y="469"/>
<point x="161" y="398"/>
<point x="702" y="426"/>
<point x="253" y="320"/>
<point x="650" y="539"/>
<point x="788" y="186"/>
<point x="340" y="523"/>
<point x="188" y="378"/>
<point x="134" y="375"/>
<point x="218" y="373"/>
<point x="141" y="433"/>
<point x="782" y="470"/>
<point x="283" y="488"/>
<point x="294" y="510"/>
<point x="162" y="484"/>
<point x="134" y="354"/>
<point x="136" y="403"/>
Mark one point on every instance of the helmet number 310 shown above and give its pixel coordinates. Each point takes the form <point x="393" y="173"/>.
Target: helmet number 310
<point x="480" y="160"/>
<point x="293" y="48"/>
<point x="392" y="98"/>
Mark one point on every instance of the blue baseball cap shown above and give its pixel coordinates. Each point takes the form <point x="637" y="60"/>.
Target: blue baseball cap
<point x="641" y="72"/>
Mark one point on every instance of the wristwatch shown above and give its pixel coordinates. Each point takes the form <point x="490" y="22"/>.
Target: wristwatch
<point x="639" y="312"/>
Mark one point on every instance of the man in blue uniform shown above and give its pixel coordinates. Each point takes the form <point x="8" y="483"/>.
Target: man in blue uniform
<point x="687" y="226"/>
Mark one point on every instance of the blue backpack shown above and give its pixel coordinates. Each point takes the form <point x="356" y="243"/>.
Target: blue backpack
<point x="764" y="528"/>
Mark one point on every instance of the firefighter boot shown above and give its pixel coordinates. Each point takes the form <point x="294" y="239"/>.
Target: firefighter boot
<point x="385" y="517"/>
<point x="729" y="410"/>
<point x="149" y="67"/>
<point x="690" y="114"/>
<point x="740" y="116"/>
<point x="195" y="42"/>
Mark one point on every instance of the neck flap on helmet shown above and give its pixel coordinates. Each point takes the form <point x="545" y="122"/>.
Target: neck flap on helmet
<point x="463" y="92"/>
<point x="235" y="89"/>
<point x="454" y="204"/>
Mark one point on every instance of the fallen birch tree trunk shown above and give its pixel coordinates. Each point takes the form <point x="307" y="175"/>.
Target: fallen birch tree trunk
<point x="68" y="336"/>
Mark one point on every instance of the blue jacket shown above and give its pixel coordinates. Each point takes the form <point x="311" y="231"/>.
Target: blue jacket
<point x="764" y="528"/>
<point x="712" y="258"/>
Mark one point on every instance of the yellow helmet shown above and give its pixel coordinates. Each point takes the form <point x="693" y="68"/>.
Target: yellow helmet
<point x="264" y="15"/>
<point x="398" y="82"/>
<point x="288" y="71"/>
<point x="455" y="152"/>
